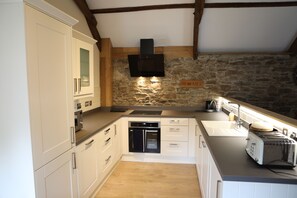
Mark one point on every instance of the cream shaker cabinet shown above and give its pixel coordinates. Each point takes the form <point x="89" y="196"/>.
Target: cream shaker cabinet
<point x="48" y="53"/>
<point x="87" y="166"/>
<point x="50" y="86"/>
<point x="57" y="178"/>
<point x="174" y="137"/>
<point x="83" y="65"/>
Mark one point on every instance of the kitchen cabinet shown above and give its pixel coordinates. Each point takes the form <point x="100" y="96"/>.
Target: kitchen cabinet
<point x="205" y="170"/>
<point x="174" y="137"/>
<point x="108" y="154"/>
<point x="118" y="140"/>
<point x="87" y="166"/>
<point x="198" y="152"/>
<point x="83" y="65"/>
<point x="215" y="180"/>
<point x="209" y="177"/>
<point x="57" y="178"/>
<point x="95" y="158"/>
<point x="50" y="86"/>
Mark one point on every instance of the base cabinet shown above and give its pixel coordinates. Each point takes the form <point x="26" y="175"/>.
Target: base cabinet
<point x="215" y="180"/>
<point x="87" y="166"/>
<point x="205" y="170"/>
<point x="212" y="185"/>
<point x="57" y="178"/>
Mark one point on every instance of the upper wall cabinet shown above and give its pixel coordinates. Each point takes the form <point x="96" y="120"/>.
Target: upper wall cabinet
<point x="83" y="65"/>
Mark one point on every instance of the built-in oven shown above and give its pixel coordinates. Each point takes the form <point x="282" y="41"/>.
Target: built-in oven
<point x="144" y="137"/>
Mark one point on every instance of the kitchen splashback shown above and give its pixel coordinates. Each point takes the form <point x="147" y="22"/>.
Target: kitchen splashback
<point x="262" y="80"/>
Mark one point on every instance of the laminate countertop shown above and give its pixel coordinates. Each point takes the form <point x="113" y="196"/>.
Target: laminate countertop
<point x="228" y="153"/>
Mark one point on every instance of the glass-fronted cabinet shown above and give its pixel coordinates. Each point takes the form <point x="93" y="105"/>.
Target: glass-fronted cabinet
<point x="83" y="67"/>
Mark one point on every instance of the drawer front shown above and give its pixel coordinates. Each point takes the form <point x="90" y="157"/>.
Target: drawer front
<point x="106" y="139"/>
<point x="171" y="148"/>
<point x="106" y="159"/>
<point x="174" y="121"/>
<point x="175" y="133"/>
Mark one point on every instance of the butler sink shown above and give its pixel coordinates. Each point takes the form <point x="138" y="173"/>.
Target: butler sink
<point x="224" y="128"/>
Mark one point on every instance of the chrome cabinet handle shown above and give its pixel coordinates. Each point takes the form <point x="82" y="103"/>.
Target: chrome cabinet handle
<point x="72" y="134"/>
<point x="90" y="142"/>
<point x="107" y="141"/>
<point x="106" y="131"/>
<point x="174" y="129"/>
<point x="73" y="161"/>
<point x="218" y="193"/>
<point x="144" y="139"/>
<point x="107" y="160"/>
<point x="79" y="84"/>
<point x="174" y="121"/>
<point x="199" y="141"/>
<point x="115" y="129"/>
<point x="171" y="144"/>
<point x="75" y="85"/>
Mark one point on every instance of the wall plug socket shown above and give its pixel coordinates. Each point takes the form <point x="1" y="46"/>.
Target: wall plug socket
<point x="285" y="131"/>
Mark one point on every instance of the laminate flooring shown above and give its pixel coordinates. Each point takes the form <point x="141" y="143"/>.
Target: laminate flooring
<point x="151" y="180"/>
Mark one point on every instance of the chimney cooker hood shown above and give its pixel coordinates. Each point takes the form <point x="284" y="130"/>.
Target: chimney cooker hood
<point x="146" y="64"/>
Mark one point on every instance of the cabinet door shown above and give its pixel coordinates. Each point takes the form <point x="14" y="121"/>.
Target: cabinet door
<point x="117" y="140"/>
<point x="205" y="169"/>
<point x="50" y="86"/>
<point x="84" y="68"/>
<point x="198" y="153"/>
<point x="57" y="178"/>
<point x="216" y="182"/>
<point x="87" y="166"/>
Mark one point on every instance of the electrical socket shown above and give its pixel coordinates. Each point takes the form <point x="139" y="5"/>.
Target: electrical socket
<point x="87" y="103"/>
<point x="90" y="102"/>
<point x="285" y="131"/>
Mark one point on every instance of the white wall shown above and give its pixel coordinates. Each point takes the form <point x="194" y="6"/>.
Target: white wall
<point x="16" y="164"/>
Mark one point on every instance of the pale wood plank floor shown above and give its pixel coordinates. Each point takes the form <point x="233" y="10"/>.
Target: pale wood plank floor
<point x="150" y="180"/>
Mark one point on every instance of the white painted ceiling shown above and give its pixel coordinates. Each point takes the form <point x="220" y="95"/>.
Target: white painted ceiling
<point x="221" y="29"/>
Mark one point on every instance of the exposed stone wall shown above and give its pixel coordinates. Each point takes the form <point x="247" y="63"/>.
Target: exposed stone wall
<point x="262" y="80"/>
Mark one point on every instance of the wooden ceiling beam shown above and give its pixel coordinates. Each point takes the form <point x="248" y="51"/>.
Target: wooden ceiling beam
<point x="91" y="20"/>
<point x="251" y="4"/>
<point x="192" y="5"/>
<point x="199" y="7"/>
<point x="293" y="48"/>
<point x="142" y="8"/>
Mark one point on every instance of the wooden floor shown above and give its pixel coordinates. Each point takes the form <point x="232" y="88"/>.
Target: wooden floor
<point x="150" y="180"/>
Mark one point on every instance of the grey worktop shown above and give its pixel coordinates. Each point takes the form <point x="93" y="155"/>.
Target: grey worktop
<point x="228" y="153"/>
<point x="233" y="162"/>
<point x="96" y="120"/>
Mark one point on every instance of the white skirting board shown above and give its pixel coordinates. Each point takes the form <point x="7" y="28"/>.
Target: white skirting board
<point x="149" y="157"/>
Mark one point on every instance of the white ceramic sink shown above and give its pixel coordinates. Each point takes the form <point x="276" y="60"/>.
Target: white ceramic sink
<point x="224" y="128"/>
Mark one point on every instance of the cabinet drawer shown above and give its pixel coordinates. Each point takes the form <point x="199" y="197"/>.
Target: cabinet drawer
<point x="105" y="138"/>
<point x="175" y="133"/>
<point x="178" y="149"/>
<point x="174" y="121"/>
<point x="106" y="159"/>
<point x="105" y="142"/>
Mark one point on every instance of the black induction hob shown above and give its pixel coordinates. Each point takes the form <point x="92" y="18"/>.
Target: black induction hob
<point x="145" y="112"/>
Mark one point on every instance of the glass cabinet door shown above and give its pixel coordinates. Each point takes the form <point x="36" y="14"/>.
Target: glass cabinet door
<point x="83" y="71"/>
<point x="84" y="67"/>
